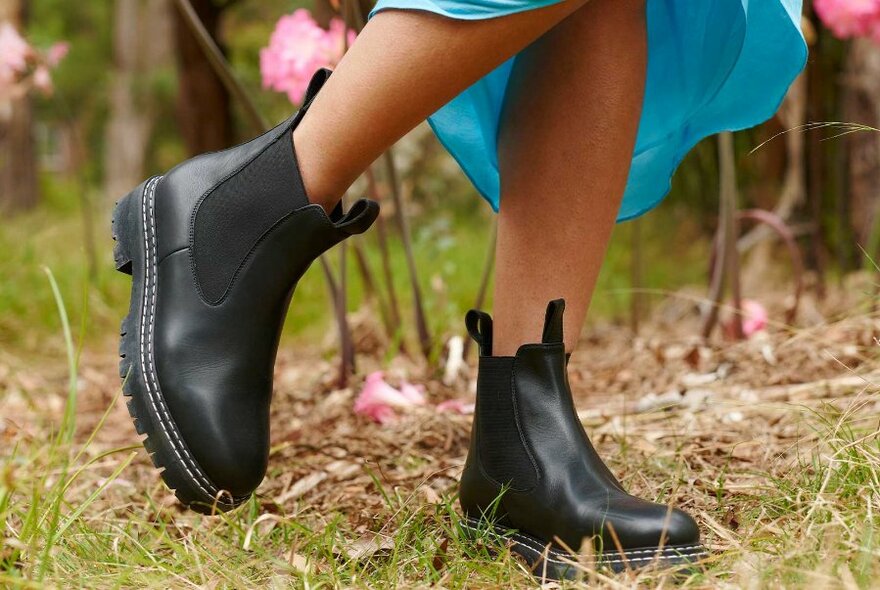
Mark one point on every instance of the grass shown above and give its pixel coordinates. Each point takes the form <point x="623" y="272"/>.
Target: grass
<point x="785" y="482"/>
<point x="72" y="520"/>
<point x="79" y="509"/>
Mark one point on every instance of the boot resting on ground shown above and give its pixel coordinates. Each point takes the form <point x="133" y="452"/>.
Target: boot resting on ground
<point x="533" y="476"/>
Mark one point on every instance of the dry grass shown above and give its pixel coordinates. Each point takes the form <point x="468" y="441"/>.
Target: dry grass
<point x="772" y="443"/>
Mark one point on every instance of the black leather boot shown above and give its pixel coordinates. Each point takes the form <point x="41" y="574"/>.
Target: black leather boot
<point x="215" y="248"/>
<point x="533" y="476"/>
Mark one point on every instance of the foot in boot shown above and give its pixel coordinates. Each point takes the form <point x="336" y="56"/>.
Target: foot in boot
<point x="215" y="248"/>
<point x="533" y="476"/>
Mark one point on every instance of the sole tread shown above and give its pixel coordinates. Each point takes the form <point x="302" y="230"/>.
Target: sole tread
<point x="557" y="564"/>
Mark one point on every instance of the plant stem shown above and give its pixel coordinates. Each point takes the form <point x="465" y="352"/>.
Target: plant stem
<point x="488" y="267"/>
<point x="403" y="225"/>
<point x="387" y="274"/>
<point x="637" y="273"/>
<point x="725" y="257"/>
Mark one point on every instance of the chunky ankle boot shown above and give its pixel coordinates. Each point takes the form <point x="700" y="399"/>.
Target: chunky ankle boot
<point x="533" y="476"/>
<point x="215" y="248"/>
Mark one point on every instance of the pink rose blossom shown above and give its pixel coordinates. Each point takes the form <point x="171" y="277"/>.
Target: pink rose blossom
<point x="850" y="18"/>
<point x="378" y="399"/>
<point x="297" y="48"/>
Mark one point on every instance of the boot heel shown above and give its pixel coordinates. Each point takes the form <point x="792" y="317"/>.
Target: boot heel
<point x="124" y="228"/>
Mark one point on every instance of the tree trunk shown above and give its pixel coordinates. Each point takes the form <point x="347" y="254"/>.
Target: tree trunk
<point x="862" y="105"/>
<point x="18" y="166"/>
<point x="203" y="103"/>
<point x="140" y="33"/>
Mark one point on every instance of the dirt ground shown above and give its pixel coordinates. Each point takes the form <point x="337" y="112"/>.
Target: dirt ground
<point x="701" y="425"/>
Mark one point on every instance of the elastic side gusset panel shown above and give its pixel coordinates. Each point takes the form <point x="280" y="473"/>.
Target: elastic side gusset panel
<point x="233" y="217"/>
<point x="503" y="454"/>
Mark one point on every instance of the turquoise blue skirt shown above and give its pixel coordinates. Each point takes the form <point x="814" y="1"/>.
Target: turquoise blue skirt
<point x="713" y="65"/>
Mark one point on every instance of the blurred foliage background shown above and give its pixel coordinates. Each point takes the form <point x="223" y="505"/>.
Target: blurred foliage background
<point x="136" y="95"/>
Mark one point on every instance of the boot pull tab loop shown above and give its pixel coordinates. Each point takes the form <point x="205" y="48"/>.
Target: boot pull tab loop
<point x="315" y="84"/>
<point x="479" y="326"/>
<point x="553" y="322"/>
<point x="358" y="219"/>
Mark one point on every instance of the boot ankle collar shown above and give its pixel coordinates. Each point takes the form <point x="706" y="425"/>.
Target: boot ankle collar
<point x="479" y="326"/>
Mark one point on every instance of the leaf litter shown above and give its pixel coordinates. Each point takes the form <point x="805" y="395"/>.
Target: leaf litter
<point x="708" y="426"/>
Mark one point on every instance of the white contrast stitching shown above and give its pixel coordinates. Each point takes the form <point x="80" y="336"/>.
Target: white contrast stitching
<point x="146" y="345"/>
<point x="614" y="557"/>
<point x="548" y="553"/>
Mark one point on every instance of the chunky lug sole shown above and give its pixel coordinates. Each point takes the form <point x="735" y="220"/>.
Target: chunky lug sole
<point x="551" y="563"/>
<point x="134" y="231"/>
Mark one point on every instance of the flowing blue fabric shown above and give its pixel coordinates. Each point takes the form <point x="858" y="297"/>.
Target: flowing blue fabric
<point x="713" y="65"/>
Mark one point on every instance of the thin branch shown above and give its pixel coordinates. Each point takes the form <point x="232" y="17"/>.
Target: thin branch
<point x="403" y="226"/>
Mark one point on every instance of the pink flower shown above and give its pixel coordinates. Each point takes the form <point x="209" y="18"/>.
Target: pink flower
<point x="42" y="79"/>
<point x="378" y="399"/>
<point x="875" y="31"/>
<point x="56" y="53"/>
<point x="849" y="18"/>
<point x="22" y="68"/>
<point x="297" y="48"/>
<point x="14" y="51"/>
<point x="754" y="319"/>
<point x="456" y="406"/>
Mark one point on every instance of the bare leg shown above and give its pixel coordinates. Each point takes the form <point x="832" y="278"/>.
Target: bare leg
<point x="403" y="67"/>
<point x="565" y="147"/>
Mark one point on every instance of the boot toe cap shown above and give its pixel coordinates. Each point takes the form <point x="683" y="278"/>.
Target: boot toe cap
<point x="226" y="432"/>
<point x="637" y="523"/>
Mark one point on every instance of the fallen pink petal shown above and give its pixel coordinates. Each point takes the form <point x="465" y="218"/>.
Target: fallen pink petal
<point x="414" y="393"/>
<point x="457" y="406"/>
<point x="378" y="400"/>
<point x="754" y="317"/>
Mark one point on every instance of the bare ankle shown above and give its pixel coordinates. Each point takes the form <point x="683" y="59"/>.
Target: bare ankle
<point x="317" y="191"/>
